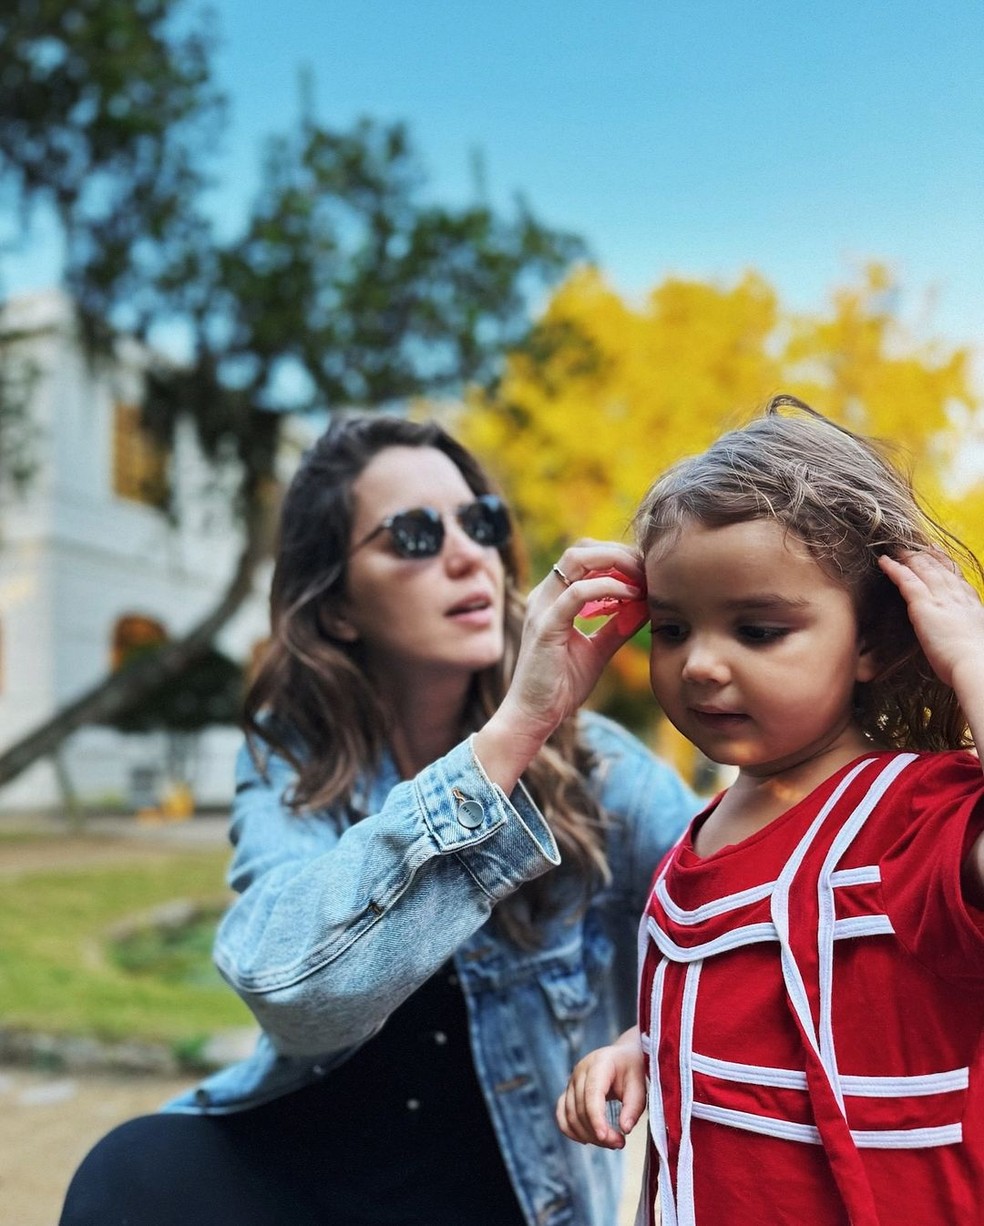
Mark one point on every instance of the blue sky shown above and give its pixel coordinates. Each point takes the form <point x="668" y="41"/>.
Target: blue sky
<point x="693" y="137"/>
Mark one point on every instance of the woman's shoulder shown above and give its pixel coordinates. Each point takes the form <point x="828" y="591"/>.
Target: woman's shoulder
<point x="609" y="739"/>
<point x="623" y="760"/>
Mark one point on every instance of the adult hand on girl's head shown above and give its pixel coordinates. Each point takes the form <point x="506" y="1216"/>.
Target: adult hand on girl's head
<point x="945" y="611"/>
<point x="558" y="664"/>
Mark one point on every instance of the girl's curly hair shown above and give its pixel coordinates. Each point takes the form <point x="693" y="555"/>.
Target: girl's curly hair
<point x="849" y="499"/>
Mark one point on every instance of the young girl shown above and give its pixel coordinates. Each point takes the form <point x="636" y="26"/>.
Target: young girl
<point x="812" y="988"/>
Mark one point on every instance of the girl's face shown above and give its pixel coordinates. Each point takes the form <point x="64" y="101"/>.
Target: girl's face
<point x="418" y="619"/>
<point x="755" y="649"/>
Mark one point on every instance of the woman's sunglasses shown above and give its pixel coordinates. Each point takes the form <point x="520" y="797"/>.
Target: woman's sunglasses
<point x="419" y="533"/>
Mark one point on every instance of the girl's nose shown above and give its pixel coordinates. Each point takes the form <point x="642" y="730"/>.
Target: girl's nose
<point x="705" y="664"/>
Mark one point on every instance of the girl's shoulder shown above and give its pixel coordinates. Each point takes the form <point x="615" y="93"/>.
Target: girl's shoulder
<point x="946" y="773"/>
<point x="937" y="768"/>
<point x="922" y="790"/>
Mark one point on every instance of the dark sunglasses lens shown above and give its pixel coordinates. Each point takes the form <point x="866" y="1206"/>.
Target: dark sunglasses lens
<point x="417" y="534"/>
<point x="486" y="521"/>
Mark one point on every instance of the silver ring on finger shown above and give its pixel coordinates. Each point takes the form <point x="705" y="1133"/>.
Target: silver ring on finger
<point x="560" y="575"/>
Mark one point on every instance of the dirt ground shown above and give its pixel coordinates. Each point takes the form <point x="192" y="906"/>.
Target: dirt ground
<point x="49" y="1121"/>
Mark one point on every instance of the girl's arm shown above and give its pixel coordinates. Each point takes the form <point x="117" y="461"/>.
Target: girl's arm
<point x="948" y="618"/>
<point x="607" y="1074"/>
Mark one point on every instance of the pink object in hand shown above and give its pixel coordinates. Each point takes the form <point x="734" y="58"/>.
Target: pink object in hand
<point x="612" y="604"/>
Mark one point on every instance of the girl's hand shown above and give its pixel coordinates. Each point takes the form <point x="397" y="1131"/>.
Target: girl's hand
<point x="608" y="1074"/>
<point x="946" y="614"/>
<point x="558" y="664"/>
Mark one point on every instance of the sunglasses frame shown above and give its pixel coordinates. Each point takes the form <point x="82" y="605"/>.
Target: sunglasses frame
<point x="495" y="517"/>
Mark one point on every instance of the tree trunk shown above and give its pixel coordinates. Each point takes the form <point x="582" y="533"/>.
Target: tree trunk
<point x="119" y="691"/>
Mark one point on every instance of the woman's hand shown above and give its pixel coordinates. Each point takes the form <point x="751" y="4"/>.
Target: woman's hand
<point x="608" y="1074"/>
<point x="558" y="664"/>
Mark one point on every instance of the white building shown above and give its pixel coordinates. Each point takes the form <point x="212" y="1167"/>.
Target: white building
<point x="89" y="563"/>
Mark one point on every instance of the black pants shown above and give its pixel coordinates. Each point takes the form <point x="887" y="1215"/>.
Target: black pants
<point x="184" y="1170"/>
<point x="272" y="1166"/>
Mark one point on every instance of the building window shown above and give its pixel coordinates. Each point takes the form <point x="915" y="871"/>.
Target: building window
<point x="134" y="634"/>
<point x="140" y="463"/>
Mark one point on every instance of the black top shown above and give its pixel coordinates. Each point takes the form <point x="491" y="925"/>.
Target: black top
<point x="400" y="1134"/>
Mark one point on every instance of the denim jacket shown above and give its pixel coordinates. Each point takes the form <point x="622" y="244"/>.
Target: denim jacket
<point x="341" y="916"/>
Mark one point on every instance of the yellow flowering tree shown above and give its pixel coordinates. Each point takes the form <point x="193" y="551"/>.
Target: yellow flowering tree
<point x="616" y="392"/>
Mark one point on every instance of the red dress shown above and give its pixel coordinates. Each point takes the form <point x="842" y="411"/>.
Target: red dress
<point x="812" y="1008"/>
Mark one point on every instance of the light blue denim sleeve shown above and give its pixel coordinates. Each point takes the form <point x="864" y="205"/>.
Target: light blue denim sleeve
<point x="648" y="808"/>
<point x="335" y="927"/>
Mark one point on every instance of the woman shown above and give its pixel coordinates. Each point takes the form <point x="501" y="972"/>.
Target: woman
<point x="428" y="943"/>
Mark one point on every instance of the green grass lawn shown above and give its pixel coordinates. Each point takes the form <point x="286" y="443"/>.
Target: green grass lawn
<point x="64" y="971"/>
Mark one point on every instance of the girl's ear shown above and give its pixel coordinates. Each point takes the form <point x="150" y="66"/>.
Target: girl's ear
<point x="334" y="623"/>
<point x="869" y="666"/>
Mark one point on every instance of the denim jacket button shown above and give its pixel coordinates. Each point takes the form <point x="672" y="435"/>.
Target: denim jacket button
<point x="470" y="814"/>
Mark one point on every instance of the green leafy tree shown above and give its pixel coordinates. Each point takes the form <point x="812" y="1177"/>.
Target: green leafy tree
<point x="107" y="110"/>
<point x="347" y="287"/>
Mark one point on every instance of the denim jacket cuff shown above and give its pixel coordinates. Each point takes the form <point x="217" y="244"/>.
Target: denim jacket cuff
<point x="503" y="840"/>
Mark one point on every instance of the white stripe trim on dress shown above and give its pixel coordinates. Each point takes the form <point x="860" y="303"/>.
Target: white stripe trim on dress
<point x="657" y="1117"/>
<point x="787" y="1130"/>
<point x="686" y="1212"/>
<point x="752" y="934"/>
<point x="916" y="1085"/>
<point x="717" y="906"/>
<point x="862" y="926"/>
<point x="758" y="934"/>
<point x="827" y="927"/>
<point x="862" y="875"/>
<point x="795" y="987"/>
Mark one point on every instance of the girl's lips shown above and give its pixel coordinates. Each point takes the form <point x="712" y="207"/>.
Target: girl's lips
<point x="719" y="720"/>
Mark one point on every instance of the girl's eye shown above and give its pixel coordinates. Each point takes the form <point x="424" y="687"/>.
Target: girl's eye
<point x="668" y="632"/>
<point x="762" y="634"/>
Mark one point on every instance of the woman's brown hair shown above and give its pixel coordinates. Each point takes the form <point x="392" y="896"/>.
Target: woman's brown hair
<point x="312" y="701"/>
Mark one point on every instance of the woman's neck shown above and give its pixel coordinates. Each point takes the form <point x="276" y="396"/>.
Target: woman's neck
<point x="426" y="722"/>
